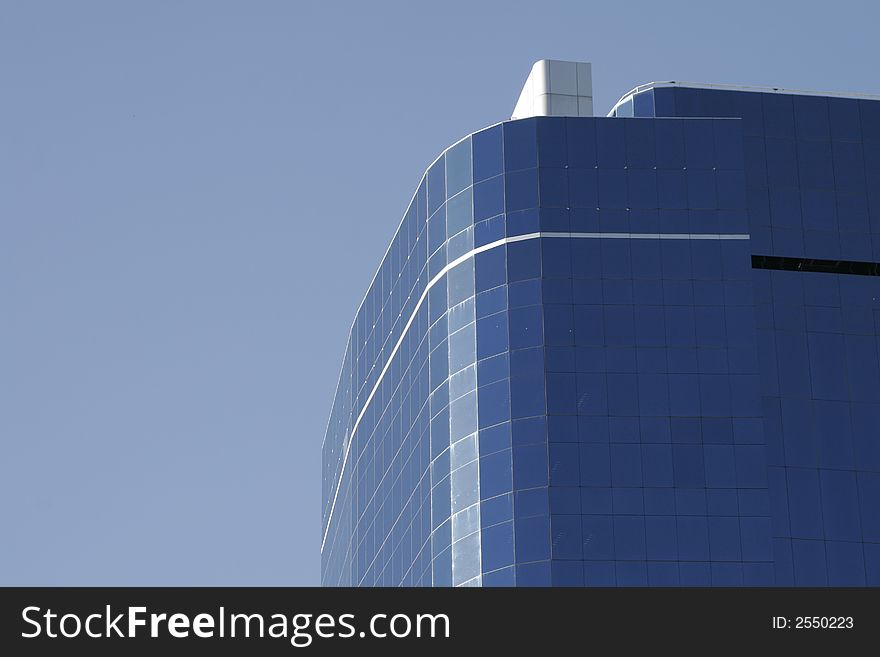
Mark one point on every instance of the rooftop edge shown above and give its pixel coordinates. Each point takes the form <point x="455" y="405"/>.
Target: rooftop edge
<point x="738" y="87"/>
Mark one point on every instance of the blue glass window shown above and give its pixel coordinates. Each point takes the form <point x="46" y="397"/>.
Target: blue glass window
<point x="458" y="167"/>
<point x="488" y="153"/>
<point x="520" y="145"/>
<point x="436" y="185"/>
<point x="643" y="104"/>
<point x="521" y="189"/>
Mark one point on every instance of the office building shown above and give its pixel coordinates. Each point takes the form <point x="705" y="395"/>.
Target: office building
<point x="635" y="350"/>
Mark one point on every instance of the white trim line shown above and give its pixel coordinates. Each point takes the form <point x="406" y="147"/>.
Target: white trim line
<point x="649" y="236"/>
<point x="471" y="254"/>
<point x="738" y="87"/>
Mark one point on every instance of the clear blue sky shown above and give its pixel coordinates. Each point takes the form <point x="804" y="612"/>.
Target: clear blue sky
<point x="193" y="199"/>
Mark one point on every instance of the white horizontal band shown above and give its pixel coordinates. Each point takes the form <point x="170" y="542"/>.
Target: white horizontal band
<point x="471" y="254"/>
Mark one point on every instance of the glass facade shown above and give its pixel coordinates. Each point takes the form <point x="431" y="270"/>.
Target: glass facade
<point x="575" y="366"/>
